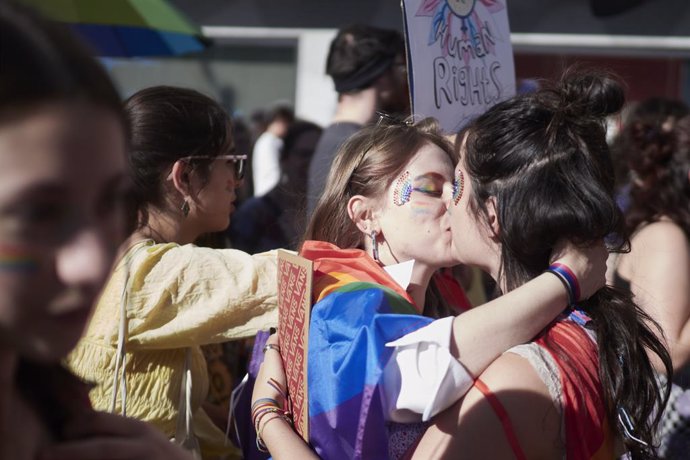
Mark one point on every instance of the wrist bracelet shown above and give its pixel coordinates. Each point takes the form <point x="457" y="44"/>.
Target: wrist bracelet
<point x="264" y="400"/>
<point x="261" y="414"/>
<point x="260" y="444"/>
<point x="568" y="279"/>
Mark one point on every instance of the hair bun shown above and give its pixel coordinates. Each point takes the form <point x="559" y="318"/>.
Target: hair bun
<point x="591" y="93"/>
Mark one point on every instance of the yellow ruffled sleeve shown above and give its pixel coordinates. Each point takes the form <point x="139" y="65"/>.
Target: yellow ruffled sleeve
<point x="182" y="296"/>
<point x="179" y="297"/>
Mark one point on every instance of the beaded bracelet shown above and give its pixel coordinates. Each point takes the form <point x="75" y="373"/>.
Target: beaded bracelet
<point x="568" y="279"/>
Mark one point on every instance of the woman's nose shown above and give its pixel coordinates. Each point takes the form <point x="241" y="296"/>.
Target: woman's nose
<point x="85" y="259"/>
<point x="237" y="183"/>
<point x="447" y="194"/>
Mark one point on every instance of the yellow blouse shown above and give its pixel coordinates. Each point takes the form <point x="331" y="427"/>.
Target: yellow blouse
<point x="180" y="297"/>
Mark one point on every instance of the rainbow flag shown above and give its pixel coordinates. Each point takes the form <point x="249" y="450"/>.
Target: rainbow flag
<point x="358" y="309"/>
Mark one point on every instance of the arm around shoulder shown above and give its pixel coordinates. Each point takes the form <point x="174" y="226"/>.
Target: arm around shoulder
<point x="522" y="313"/>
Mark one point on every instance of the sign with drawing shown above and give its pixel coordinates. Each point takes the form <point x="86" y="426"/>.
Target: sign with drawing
<point x="460" y="58"/>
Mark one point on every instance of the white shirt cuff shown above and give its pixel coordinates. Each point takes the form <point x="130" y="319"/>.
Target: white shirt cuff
<point x="423" y="378"/>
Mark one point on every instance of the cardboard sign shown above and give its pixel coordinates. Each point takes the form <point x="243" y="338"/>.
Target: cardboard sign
<point x="294" y="305"/>
<point x="460" y="59"/>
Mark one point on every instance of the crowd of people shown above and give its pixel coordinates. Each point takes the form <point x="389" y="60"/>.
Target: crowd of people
<point x="110" y="290"/>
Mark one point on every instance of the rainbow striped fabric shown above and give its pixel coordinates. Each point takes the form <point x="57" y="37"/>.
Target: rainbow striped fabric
<point x="358" y="309"/>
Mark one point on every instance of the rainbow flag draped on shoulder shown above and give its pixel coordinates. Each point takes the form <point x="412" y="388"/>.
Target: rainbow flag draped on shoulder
<point x="358" y="308"/>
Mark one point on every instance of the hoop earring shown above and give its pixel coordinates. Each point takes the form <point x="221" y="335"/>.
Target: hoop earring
<point x="185" y="208"/>
<point x="374" y="246"/>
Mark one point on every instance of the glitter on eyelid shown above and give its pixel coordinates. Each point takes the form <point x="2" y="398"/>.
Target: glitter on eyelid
<point x="428" y="188"/>
<point x="458" y="187"/>
<point x="403" y="189"/>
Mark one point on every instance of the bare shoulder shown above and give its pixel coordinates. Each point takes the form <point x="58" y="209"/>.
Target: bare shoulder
<point x="660" y="252"/>
<point x="473" y="428"/>
<point x="526" y="399"/>
<point x="661" y="235"/>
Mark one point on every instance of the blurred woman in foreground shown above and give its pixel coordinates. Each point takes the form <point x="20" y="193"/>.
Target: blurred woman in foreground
<point x="62" y="186"/>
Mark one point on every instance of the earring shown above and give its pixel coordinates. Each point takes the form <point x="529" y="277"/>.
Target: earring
<point x="374" y="246"/>
<point x="185" y="208"/>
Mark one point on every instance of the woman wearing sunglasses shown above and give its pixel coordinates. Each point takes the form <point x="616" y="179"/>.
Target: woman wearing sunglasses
<point x="165" y="296"/>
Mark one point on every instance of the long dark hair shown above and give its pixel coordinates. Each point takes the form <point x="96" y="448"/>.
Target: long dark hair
<point x="658" y="157"/>
<point x="653" y="115"/>
<point x="168" y="124"/>
<point x="43" y="63"/>
<point x="544" y="159"/>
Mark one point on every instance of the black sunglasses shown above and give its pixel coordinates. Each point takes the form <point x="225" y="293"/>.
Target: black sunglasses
<point x="239" y="160"/>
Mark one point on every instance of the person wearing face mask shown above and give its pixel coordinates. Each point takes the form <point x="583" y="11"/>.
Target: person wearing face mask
<point x="165" y="296"/>
<point x="62" y="214"/>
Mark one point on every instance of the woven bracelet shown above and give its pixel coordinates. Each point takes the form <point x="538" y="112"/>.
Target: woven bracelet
<point x="568" y="279"/>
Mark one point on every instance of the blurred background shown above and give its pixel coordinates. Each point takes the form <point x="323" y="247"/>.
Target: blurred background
<point x="264" y="61"/>
<point x="268" y="51"/>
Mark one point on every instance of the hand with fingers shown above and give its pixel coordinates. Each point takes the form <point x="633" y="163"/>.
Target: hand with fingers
<point x="104" y="436"/>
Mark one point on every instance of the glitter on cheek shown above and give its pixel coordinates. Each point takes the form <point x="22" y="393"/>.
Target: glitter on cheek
<point x="420" y="208"/>
<point x="403" y="189"/>
<point x="458" y="187"/>
<point x="14" y="259"/>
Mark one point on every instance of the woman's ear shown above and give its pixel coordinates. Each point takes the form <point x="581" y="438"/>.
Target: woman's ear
<point x="180" y="177"/>
<point x="361" y="212"/>
<point x="492" y="218"/>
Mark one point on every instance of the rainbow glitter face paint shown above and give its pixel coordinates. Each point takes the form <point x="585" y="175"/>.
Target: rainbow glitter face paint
<point x="16" y="259"/>
<point x="423" y="208"/>
<point x="403" y="189"/>
<point x="429" y="188"/>
<point x="458" y="186"/>
<point x="423" y="184"/>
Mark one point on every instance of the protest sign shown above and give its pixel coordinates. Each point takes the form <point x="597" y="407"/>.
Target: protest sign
<point x="460" y="59"/>
<point x="294" y="306"/>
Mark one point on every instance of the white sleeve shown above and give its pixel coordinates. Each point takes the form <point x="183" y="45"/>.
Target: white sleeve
<point x="266" y="163"/>
<point x="423" y="378"/>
